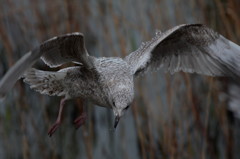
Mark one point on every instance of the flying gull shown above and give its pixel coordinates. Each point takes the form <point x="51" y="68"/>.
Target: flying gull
<point x="109" y="81"/>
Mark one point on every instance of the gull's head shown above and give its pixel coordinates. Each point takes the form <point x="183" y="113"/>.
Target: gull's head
<point x="119" y="111"/>
<point x="120" y="104"/>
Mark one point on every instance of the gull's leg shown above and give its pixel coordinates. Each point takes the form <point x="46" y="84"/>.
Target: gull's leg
<point x="59" y="118"/>
<point x="80" y="120"/>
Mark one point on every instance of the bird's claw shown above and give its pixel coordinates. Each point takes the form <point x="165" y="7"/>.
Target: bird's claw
<point x="53" y="129"/>
<point x="79" y="121"/>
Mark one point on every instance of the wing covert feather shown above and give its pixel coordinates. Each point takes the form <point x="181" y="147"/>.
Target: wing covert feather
<point x="188" y="48"/>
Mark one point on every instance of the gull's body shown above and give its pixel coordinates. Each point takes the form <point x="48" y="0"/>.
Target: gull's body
<point x="109" y="81"/>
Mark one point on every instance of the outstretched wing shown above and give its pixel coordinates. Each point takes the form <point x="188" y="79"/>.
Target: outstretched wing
<point x="54" y="52"/>
<point x="188" y="48"/>
<point x="65" y="48"/>
<point x="16" y="71"/>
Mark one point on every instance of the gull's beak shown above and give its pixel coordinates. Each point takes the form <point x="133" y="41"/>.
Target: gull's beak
<point x="117" y="118"/>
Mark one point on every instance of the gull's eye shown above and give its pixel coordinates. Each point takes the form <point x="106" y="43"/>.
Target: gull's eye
<point x="127" y="107"/>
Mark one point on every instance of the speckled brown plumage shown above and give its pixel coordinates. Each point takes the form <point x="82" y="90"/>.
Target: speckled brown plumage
<point x="109" y="82"/>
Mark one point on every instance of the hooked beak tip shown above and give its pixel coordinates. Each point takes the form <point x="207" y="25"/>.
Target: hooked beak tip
<point x="117" y="118"/>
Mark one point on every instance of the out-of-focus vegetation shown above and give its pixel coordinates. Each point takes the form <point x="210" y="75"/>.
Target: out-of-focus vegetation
<point x="180" y="116"/>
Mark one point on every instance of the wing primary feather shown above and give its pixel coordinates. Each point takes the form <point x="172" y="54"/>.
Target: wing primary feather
<point x="17" y="70"/>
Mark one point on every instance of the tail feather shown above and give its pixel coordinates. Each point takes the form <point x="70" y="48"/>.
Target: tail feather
<point x="45" y="82"/>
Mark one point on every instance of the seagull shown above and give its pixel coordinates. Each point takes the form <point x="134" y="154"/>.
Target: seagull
<point x="109" y="81"/>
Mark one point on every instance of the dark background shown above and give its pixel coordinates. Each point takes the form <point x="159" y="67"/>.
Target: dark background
<point x="182" y="116"/>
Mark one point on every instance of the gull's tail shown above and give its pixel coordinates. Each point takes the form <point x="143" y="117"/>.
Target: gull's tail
<point x="46" y="82"/>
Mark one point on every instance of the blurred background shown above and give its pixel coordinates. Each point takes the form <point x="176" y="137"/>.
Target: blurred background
<point x="181" y="116"/>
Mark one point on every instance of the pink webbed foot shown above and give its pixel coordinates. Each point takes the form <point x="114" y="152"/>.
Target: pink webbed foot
<point x="53" y="128"/>
<point x="79" y="121"/>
